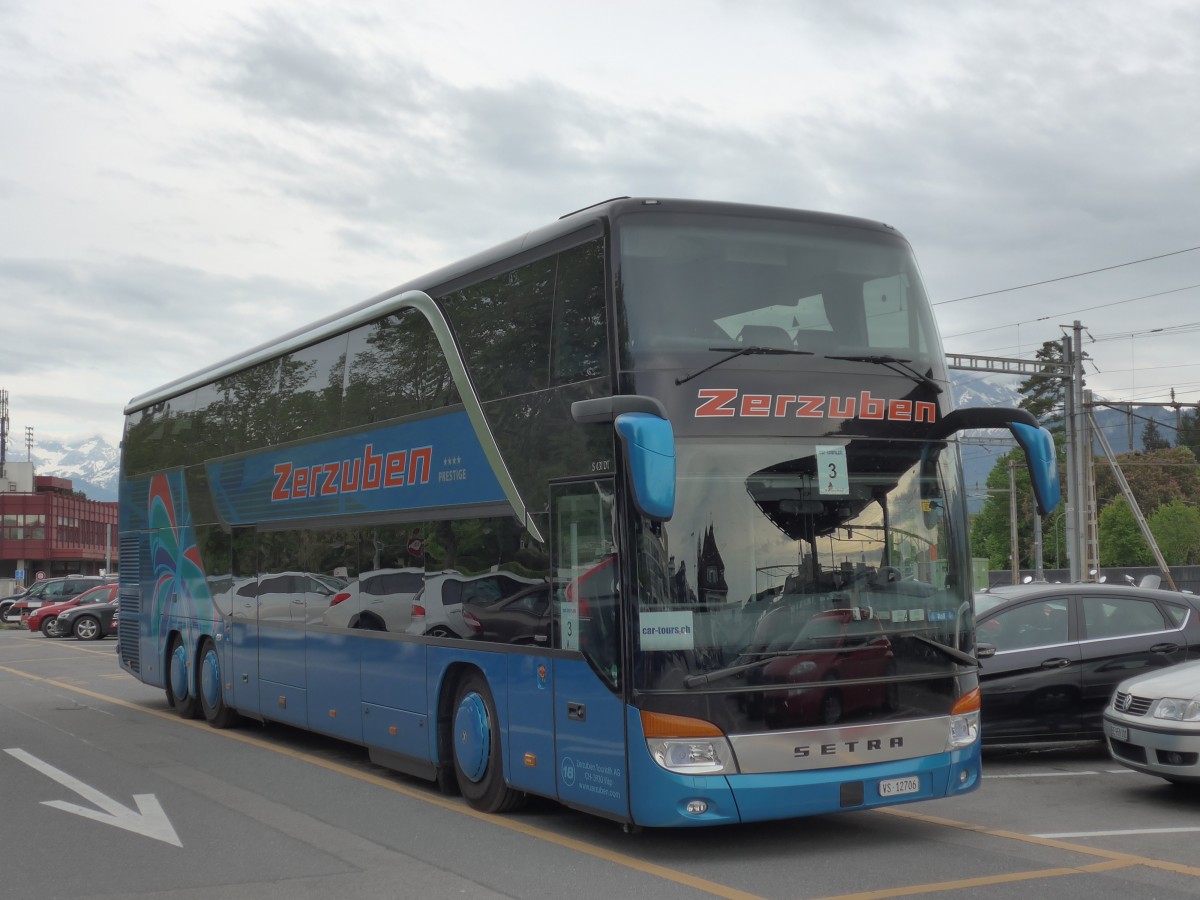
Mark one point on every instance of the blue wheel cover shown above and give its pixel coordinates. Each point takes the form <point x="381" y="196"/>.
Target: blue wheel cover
<point x="210" y="678"/>
<point x="472" y="736"/>
<point x="179" y="673"/>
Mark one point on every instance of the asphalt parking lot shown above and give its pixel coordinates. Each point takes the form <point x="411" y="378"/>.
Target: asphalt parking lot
<point x="266" y="811"/>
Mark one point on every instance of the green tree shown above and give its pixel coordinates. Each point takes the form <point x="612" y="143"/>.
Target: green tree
<point x="1121" y="542"/>
<point x="991" y="531"/>
<point x="1045" y="394"/>
<point x="1189" y="431"/>
<point x="1176" y="530"/>
<point x="1152" y="438"/>
<point x="1156" y="477"/>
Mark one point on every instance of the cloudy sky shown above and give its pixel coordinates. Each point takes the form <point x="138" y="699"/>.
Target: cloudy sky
<point x="182" y="180"/>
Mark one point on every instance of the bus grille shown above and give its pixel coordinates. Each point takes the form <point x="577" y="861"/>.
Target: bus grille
<point x="129" y="604"/>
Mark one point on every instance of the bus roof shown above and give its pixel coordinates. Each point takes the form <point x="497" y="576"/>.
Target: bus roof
<point x="591" y="217"/>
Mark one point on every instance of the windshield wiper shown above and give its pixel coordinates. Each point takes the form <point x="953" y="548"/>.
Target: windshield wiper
<point x="709" y="677"/>
<point x="896" y="365"/>
<point x="734" y="353"/>
<point x="953" y="652"/>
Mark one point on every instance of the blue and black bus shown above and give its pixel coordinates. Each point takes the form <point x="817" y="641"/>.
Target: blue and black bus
<point x="656" y="511"/>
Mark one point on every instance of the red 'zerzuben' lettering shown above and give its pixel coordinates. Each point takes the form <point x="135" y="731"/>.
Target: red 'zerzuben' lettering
<point x="716" y="403"/>
<point x="283" y="474"/>
<point x="369" y="472"/>
<point x="713" y="403"/>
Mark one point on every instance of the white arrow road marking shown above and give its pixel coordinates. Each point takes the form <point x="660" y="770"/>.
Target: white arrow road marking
<point x="148" y="820"/>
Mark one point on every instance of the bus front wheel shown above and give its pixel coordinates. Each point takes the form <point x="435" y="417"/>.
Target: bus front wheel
<point x="180" y="691"/>
<point x="208" y="688"/>
<point x="478" y="760"/>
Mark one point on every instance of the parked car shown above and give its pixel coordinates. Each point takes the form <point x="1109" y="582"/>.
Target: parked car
<point x="379" y="600"/>
<point x="1051" y="655"/>
<point x="45" y="618"/>
<point x="524" y="618"/>
<point x="47" y="590"/>
<point x="437" y="609"/>
<point x="1152" y="724"/>
<point x="89" y="623"/>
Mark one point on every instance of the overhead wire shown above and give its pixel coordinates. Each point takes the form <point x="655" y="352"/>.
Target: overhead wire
<point x="1021" y="287"/>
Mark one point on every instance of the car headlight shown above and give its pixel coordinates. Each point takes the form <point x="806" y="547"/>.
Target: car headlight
<point x="1178" y="710"/>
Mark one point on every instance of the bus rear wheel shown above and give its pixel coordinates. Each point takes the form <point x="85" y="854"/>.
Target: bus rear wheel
<point x="181" y="694"/>
<point x="478" y="759"/>
<point x="209" y="689"/>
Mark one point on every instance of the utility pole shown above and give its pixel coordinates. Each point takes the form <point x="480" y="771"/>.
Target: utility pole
<point x="1013" y="543"/>
<point x="1081" y="538"/>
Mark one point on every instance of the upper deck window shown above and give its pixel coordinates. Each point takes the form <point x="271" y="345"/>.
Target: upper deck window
<point x="699" y="282"/>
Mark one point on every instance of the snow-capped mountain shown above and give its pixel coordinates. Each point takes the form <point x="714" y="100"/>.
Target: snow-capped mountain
<point x="91" y="462"/>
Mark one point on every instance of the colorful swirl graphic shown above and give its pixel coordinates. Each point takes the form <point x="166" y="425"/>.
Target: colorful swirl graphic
<point x="180" y="597"/>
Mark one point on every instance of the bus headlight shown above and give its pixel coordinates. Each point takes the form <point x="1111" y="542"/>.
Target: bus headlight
<point x="692" y="757"/>
<point x="964" y="720"/>
<point x="687" y="746"/>
<point x="964" y="730"/>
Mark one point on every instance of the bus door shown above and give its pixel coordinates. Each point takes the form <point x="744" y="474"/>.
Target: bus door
<point x="589" y="719"/>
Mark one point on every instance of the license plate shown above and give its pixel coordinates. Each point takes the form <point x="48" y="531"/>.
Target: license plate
<point x="1118" y="732"/>
<point x="894" y="787"/>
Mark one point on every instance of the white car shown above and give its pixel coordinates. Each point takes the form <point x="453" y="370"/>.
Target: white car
<point x="1152" y="723"/>
<point x="437" y="610"/>
<point x="379" y="600"/>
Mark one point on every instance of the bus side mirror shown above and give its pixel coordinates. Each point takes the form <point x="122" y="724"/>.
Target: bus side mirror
<point x="1036" y="441"/>
<point x="1038" y="445"/>
<point x="648" y="443"/>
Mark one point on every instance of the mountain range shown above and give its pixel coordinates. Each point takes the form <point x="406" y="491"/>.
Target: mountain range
<point x="93" y="464"/>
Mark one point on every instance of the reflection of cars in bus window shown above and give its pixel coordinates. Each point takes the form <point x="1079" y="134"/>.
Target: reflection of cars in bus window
<point x="379" y="600"/>
<point x="834" y="649"/>
<point x="437" y="610"/>
<point x="523" y="618"/>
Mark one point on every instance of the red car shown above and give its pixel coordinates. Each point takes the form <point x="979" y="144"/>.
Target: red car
<point x="837" y="645"/>
<point x="45" y="618"/>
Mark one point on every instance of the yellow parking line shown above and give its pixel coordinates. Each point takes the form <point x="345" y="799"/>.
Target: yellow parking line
<point x="964" y="883"/>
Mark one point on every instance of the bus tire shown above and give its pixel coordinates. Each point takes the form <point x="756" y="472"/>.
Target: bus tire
<point x="181" y="695"/>
<point x="209" y="690"/>
<point x="478" y="757"/>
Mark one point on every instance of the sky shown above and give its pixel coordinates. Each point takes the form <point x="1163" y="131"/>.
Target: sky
<point x="181" y="181"/>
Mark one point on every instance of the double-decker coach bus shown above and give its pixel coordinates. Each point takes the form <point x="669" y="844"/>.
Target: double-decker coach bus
<point x="656" y="511"/>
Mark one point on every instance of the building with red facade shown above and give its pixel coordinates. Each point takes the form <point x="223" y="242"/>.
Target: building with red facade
<point x="49" y="529"/>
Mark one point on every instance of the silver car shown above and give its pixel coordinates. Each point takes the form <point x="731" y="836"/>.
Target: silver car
<point x="1152" y="723"/>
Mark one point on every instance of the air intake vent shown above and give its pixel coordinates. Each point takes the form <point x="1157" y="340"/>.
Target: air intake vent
<point x="129" y="604"/>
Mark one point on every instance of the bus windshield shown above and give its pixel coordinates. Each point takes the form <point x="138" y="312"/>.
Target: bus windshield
<point x="712" y="282"/>
<point x="773" y="572"/>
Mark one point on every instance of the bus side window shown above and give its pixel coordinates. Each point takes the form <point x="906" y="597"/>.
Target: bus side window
<point x="585" y="562"/>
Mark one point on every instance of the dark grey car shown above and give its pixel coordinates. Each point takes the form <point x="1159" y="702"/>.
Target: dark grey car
<point x="1051" y="655"/>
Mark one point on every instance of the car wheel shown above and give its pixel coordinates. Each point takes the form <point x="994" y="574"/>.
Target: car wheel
<point x="831" y="706"/>
<point x="6" y="614"/>
<point x="50" y="627"/>
<point x="87" y="628"/>
<point x="441" y="631"/>
<point x="478" y="760"/>
<point x="180" y="693"/>
<point x="209" y="688"/>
